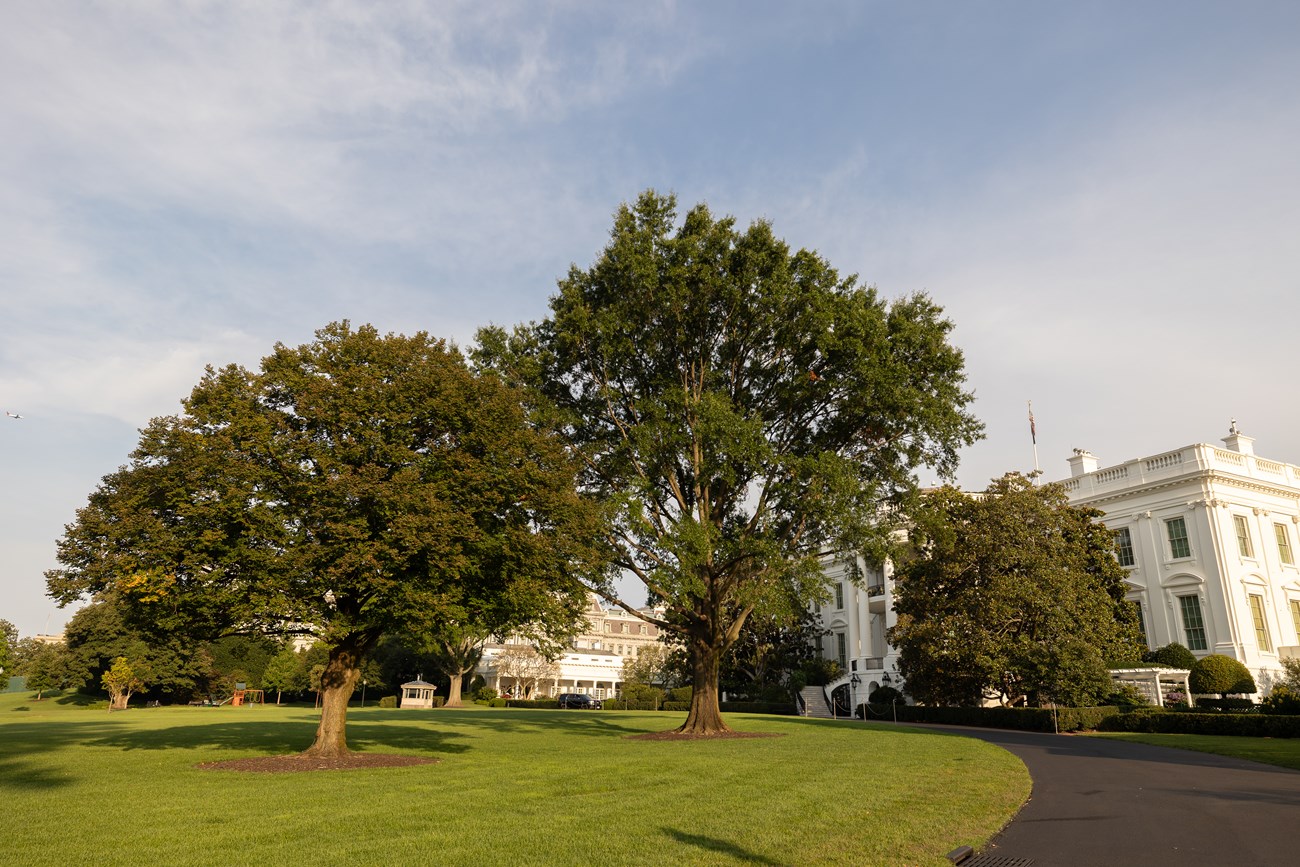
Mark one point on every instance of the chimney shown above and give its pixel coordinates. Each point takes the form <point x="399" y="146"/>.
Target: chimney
<point x="1082" y="463"/>
<point x="1238" y="441"/>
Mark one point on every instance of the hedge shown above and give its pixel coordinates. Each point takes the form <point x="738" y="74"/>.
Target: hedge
<point x="535" y="703"/>
<point x="620" y="704"/>
<point x="1237" y="724"/>
<point x="1032" y="719"/>
<point x="784" y="708"/>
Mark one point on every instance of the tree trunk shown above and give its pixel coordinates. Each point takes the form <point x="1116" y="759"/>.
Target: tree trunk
<point x="453" y="691"/>
<point x="704" y="717"/>
<point x="336" y="685"/>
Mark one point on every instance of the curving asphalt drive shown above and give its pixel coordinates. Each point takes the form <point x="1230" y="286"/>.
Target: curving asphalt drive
<point x="1099" y="802"/>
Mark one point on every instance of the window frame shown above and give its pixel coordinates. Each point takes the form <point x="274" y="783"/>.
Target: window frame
<point x="842" y="649"/>
<point x="1245" y="545"/>
<point x="1190" y="603"/>
<point x="1124" y="547"/>
<point x="1263" y="641"/>
<point x="1173" y="540"/>
<point x="1285" y="553"/>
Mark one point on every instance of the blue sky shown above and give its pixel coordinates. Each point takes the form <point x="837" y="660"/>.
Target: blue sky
<point x="1103" y="196"/>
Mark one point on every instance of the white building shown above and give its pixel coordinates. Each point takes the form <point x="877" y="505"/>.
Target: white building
<point x="1209" y="537"/>
<point x="593" y="664"/>
<point x="857" y="617"/>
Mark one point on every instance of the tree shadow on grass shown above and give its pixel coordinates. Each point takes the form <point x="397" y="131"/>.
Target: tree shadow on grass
<point x="720" y="847"/>
<point x="519" y="721"/>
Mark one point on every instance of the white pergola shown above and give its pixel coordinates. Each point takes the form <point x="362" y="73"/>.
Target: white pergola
<point x="1154" y="681"/>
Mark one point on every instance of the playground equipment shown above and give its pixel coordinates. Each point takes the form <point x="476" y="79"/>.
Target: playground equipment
<point x="246" y="696"/>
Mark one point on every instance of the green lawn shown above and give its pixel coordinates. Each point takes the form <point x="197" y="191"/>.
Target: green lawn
<point x="1271" y="751"/>
<point x="513" y="787"/>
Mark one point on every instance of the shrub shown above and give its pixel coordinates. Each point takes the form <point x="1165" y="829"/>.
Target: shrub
<point x="1127" y="695"/>
<point x="535" y="703"/>
<point x="641" y="693"/>
<point x="1282" y="700"/>
<point x="1238" y="724"/>
<point x="497" y="702"/>
<point x="681" y="693"/>
<point x="1034" y="719"/>
<point x="677" y="705"/>
<point x="819" y="672"/>
<point x="1221" y="675"/>
<point x="885" y="695"/>
<point x="1226" y="705"/>
<point x="388" y="701"/>
<point x="484" y="693"/>
<point x="1173" y="655"/>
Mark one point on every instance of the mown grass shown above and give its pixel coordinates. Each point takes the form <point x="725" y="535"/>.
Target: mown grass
<point x="1284" y="752"/>
<point x="512" y="787"/>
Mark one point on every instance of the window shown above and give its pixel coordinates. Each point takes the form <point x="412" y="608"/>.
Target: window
<point x="842" y="649"/>
<point x="1243" y="536"/>
<point x="1284" y="544"/>
<point x="1193" y="624"/>
<point x="1261" y="625"/>
<point x="643" y="629"/>
<point x="607" y="626"/>
<point x="1179" y="547"/>
<point x="1295" y="616"/>
<point x="839" y="595"/>
<point x="1124" y="546"/>
<point x="1142" y="622"/>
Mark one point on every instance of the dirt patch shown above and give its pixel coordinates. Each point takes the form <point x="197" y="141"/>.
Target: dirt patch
<point x="720" y="736"/>
<point x="299" y="763"/>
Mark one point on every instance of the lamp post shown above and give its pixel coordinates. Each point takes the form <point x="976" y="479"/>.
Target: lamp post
<point x="854" y="682"/>
<point x="893" y="701"/>
<point x="363" y="692"/>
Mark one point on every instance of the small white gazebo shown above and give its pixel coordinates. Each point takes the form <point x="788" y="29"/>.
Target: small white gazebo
<point x="417" y="693"/>
<point x="1154" y="681"/>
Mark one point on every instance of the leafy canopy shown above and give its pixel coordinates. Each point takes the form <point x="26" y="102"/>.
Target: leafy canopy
<point x="1012" y="594"/>
<point x="738" y="407"/>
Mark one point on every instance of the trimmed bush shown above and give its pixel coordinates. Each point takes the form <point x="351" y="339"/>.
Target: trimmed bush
<point x="1227" y="705"/>
<point x="677" y="705"/>
<point x="1221" y="675"/>
<point x="1033" y="719"/>
<point x="1173" y="655"/>
<point x="1253" y="725"/>
<point x="535" y="703"/>
<point x="388" y="701"/>
<point x="884" y="695"/>
<point x="781" y="708"/>
<point x="681" y="693"/>
<point x="1282" y="700"/>
<point x="484" y="693"/>
<point x="642" y="693"/>
<point x="624" y="704"/>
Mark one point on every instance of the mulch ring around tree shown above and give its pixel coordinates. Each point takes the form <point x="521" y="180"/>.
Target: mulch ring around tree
<point x="299" y="763"/>
<point x="684" y="736"/>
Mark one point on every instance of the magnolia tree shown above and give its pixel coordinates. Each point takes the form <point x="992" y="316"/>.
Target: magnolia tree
<point x="358" y="485"/>
<point x="738" y="408"/>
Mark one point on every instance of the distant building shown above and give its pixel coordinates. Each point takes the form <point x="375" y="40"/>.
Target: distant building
<point x="1209" y="536"/>
<point x="593" y="664"/>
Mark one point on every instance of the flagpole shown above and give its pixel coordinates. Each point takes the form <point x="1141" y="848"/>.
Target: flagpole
<point x="1033" y="436"/>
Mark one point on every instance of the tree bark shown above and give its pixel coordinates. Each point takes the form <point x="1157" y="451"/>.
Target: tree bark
<point x="704" y="717"/>
<point x="336" y="686"/>
<point x="454" y="690"/>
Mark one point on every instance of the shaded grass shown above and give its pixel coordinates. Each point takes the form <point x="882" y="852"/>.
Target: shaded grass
<point x="513" y="787"/>
<point x="1284" y="752"/>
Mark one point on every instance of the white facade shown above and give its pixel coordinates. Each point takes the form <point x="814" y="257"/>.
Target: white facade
<point x="593" y="664"/>
<point x="857" y="617"/>
<point x="1211" y="539"/>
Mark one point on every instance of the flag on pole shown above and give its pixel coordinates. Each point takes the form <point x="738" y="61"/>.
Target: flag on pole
<point x="1033" y="431"/>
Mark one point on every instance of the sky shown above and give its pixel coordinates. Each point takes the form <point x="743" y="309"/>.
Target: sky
<point x="1103" y="196"/>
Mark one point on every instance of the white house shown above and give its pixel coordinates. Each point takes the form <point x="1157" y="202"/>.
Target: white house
<point x="593" y="664"/>
<point x="1209" y="537"/>
<point x="857" y="617"/>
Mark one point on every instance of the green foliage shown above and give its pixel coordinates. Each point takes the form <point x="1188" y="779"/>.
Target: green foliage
<point x="740" y="408"/>
<point x="1282" y="700"/>
<point x="535" y="703"/>
<point x="1127" y="695"/>
<point x="650" y="665"/>
<point x="779" y="708"/>
<point x="286" y="672"/>
<point x="1066" y="719"/>
<point x="681" y="693"/>
<point x="8" y="644"/>
<point x="1255" y="725"/>
<point x="484" y="693"/>
<point x="1290" y="675"/>
<point x="1014" y="594"/>
<point x="1220" y="674"/>
<point x="240" y="657"/>
<point x="638" y="694"/>
<point x="677" y="705"/>
<point x="362" y="483"/>
<point x="48" y="666"/>
<point x="121" y="681"/>
<point x="885" y="695"/>
<point x="1173" y="655"/>
<point x="768" y="652"/>
<point x="388" y="702"/>
<point x="819" y="671"/>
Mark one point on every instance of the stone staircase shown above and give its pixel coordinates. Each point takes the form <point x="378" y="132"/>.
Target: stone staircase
<point x="814" y="702"/>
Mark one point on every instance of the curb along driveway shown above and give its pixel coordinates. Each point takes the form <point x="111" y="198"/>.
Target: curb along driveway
<point x="1098" y="802"/>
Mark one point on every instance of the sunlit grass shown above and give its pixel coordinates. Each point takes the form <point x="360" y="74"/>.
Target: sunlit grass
<point x="512" y="787"/>
<point x="1272" y="751"/>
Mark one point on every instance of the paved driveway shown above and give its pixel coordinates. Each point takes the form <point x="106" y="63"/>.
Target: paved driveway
<point x="1099" y="802"/>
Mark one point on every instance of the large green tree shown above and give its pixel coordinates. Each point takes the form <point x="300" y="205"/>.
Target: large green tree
<point x="1010" y="594"/>
<point x="739" y="407"/>
<point x="355" y="485"/>
<point x="8" y="652"/>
